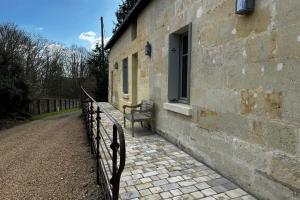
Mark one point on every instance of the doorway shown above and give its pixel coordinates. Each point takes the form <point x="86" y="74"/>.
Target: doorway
<point x="134" y="78"/>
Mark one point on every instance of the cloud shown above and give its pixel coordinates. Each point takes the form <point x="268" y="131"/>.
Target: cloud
<point x="92" y="38"/>
<point x="39" y="28"/>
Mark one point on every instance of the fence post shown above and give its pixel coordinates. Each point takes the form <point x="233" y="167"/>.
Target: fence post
<point x="39" y="106"/>
<point x="55" y="106"/>
<point x="48" y="105"/>
<point x="98" y="143"/>
<point x="114" y="146"/>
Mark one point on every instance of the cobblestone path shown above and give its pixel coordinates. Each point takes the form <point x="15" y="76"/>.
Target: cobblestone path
<point x="156" y="169"/>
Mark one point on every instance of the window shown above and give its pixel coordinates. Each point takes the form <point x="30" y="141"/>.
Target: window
<point x="125" y="76"/>
<point x="133" y="30"/>
<point x="180" y="65"/>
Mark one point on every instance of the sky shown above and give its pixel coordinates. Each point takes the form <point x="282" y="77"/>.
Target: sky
<point x="64" y="21"/>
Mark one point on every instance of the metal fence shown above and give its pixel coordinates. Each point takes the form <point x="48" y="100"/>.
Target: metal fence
<point x="107" y="142"/>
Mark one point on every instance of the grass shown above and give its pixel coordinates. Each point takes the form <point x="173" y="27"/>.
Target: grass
<point x="45" y="115"/>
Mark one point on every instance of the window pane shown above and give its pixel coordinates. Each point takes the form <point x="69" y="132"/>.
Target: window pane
<point x="125" y="76"/>
<point x="184" y="78"/>
<point x="185" y="44"/>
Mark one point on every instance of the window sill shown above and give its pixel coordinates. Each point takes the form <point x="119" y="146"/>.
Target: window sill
<point x="125" y="96"/>
<point x="180" y="108"/>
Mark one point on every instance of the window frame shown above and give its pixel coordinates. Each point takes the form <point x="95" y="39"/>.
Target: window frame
<point x="175" y="68"/>
<point x="182" y="99"/>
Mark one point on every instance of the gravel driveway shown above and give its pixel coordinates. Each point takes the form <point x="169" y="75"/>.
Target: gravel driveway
<point x="47" y="159"/>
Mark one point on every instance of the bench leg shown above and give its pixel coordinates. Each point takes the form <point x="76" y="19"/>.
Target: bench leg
<point x="152" y="126"/>
<point x="132" y="127"/>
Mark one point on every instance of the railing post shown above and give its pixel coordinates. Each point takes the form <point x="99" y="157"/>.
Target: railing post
<point x="114" y="181"/>
<point x="98" y="143"/>
<point x="91" y="125"/>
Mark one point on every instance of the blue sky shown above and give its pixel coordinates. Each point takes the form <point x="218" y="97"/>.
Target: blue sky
<point x="64" y="21"/>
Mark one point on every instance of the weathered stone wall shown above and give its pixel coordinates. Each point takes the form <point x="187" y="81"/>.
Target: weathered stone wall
<point x="40" y="106"/>
<point x="245" y="88"/>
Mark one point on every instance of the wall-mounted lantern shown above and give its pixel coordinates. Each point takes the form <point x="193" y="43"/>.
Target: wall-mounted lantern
<point x="116" y="65"/>
<point x="148" y="49"/>
<point x="244" y="7"/>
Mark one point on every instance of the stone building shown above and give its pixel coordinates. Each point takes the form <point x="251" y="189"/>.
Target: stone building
<point x="226" y="87"/>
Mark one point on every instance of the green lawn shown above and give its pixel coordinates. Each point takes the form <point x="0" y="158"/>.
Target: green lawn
<point x="42" y="116"/>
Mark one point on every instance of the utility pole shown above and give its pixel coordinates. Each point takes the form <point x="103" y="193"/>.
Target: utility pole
<point x="102" y="42"/>
<point x="102" y="63"/>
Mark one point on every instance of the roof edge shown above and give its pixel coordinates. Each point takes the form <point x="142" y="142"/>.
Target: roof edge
<point x="133" y="14"/>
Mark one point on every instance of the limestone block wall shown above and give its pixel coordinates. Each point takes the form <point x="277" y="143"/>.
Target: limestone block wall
<point x="245" y="88"/>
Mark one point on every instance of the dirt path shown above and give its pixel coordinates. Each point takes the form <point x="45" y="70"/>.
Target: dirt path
<point x="47" y="159"/>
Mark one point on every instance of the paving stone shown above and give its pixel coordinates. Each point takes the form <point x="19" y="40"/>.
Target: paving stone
<point x="170" y="186"/>
<point x="130" y="195"/>
<point x="126" y="173"/>
<point x="236" y="193"/>
<point x="186" y="177"/>
<point x="138" y="171"/>
<point x="214" y="176"/>
<point x="156" y="190"/>
<point x="137" y="176"/>
<point x="163" y="176"/>
<point x="216" y="182"/>
<point x="145" y="180"/>
<point x="123" y="183"/>
<point x="183" y="197"/>
<point x="154" y="178"/>
<point x="248" y="197"/>
<point x="143" y="186"/>
<point x="219" y="189"/>
<point x="208" y="198"/>
<point x="151" y="197"/>
<point x="197" y="195"/>
<point x="176" y="192"/>
<point x="186" y="183"/>
<point x="230" y="186"/>
<point x="175" y="179"/>
<point x="122" y="190"/>
<point x="160" y="182"/>
<point x="130" y="189"/>
<point x="221" y="196"/>
<point x="133" y="182"/>
<point x="208" y="192"/>
<point x="153" y="173"/>
<point x="126" y="178"/>
<point x="202" y="186"/>
<point x="165" y="195"/>
<point x="145" y="192"/>
<point x="202" y="179"/>
<point x="175" y="173"/>
<point x="188" y="189"/>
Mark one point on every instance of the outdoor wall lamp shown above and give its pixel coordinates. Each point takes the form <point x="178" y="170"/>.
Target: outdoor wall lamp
<point x="148" y="49"/>
<point x="244" y="7"/>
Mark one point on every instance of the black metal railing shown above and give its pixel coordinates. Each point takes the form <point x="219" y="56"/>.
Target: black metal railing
<point x="107" y="142"/>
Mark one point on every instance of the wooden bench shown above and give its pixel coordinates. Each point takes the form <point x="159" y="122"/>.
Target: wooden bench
<point x="139" y="113"/>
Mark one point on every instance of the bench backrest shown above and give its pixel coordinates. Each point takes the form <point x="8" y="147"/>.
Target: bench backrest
<point x="147" y="105"/>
